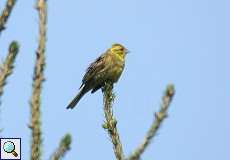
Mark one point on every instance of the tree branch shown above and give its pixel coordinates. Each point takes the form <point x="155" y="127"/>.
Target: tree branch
<point x="159" y="117"/>
<point x="6" y="13"/>
<point x="64" y="146"/>
<point x="38" y="78"/>
<point x="110" y="122"/>
<point x="7" y="67"/>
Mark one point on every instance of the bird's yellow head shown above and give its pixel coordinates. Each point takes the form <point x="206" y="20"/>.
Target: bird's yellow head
<point x="119" y="50"/>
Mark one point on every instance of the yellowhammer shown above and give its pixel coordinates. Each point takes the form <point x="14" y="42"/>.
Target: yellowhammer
<point x="106" y="68"/>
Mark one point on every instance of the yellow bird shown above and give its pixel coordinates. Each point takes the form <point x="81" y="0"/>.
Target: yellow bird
<point x="106" y="68"/>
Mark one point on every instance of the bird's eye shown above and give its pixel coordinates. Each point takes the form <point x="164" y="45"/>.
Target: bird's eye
<point x="121" y="49"/>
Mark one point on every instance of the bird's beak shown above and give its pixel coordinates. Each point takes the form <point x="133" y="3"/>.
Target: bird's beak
<point x="127" y="51"/>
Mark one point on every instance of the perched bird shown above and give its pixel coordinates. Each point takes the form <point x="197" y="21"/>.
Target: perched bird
<point x="106" y="68"/>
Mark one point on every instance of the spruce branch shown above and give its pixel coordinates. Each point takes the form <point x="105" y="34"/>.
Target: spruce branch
<point x="110" y="121"/>
<point x="6" y="13"/>
<point x="63" y="147"/>
<point x="159" y="117"/>
<point x="7" y="67"/>
<point x="38" y="78"/>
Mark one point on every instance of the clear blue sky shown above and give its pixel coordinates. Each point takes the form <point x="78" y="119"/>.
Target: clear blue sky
<point x="180" y="42"/>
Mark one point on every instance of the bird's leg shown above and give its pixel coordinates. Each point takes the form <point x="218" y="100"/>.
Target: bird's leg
<point x="107" y="85"/>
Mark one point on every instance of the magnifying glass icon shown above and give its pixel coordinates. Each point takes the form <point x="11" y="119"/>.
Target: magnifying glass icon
<point x="9" y="147"/>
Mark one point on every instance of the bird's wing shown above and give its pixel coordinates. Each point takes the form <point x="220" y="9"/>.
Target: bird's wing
<point x="94" y="68"/>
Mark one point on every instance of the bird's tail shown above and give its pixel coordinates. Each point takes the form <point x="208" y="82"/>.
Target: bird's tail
<point x="76" y="99"/>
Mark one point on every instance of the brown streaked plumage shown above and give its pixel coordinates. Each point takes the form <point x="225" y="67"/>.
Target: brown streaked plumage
<point x="106" y="68"/>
